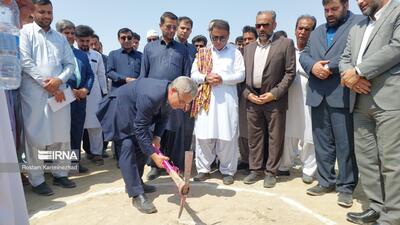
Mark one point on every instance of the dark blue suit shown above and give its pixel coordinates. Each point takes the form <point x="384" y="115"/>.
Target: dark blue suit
<point x="332" y="122"/>
<point x="126" y="116"/>
<point x="78" y="108"/>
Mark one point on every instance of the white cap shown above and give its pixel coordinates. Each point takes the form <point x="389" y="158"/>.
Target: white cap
<point x="151" y="33"/>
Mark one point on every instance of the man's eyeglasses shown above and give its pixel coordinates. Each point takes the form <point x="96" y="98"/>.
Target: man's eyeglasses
<point x="259" y="25"/>
<point x="171" y="27"/>
<point x="181" y="101"/>
<point x="218" y="38"/>
<point x="124" y="38"/>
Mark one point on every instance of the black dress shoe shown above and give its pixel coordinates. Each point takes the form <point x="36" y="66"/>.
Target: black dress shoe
<point x="283" y="173"/>
<point x="63" y="182"/>
<point x="154" y="173"/>
<point x="368" y="216"/>
<point x="83" y="169"/>
<point x="318" y="190"/>
<point x="143" y="204"/>
<point x="148" y="188"/>
<point x="201" y="177"/>
<point x="43" y="189"/>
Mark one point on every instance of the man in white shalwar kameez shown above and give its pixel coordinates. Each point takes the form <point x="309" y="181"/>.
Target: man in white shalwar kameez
<point x="47" y="63"/>
<point x="217" y="130"/>
<point x="298" y="135"/>
<point x="83" y="36"/>
<point x="13" y="209"/>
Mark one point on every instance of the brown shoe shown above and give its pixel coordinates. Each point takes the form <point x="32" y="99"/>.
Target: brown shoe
<point x="98" y="160"/>
<point x="25" y="180"/>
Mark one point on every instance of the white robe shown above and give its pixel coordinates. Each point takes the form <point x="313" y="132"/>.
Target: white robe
<point x="222" y="120"/>
<point x="12" y="198"/>
<point x="44" y="55"/>
<point x="298" y="116"/>
<point x="99" y="87"/>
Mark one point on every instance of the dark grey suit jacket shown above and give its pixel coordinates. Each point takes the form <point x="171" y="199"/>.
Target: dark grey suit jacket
<point x="381" y="59"/>
<point x="316" y="50"/>
<point x="132" y="109"/>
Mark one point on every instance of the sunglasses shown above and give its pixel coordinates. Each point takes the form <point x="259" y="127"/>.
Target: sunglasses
<point x="259" y="25"/>
<point x="218" y="38"/>
<point x="124" y="38"/>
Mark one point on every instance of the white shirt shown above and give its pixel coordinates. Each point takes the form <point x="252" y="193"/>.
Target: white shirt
<point x="260" y="58"/>
<point x="367" y="33"/>
<point x="222" y="120"/>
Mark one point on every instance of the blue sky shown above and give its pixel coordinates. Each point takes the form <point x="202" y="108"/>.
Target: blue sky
<point x="106" y="17"/>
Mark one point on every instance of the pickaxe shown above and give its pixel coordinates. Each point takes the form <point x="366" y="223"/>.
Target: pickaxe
<point x="173" y="171"/>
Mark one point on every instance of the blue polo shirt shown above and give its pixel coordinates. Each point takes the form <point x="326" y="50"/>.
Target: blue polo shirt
<point x="121" y="64"/>
<point x="165" y="61"/>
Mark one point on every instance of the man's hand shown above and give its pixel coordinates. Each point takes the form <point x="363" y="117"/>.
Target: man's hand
<point x="158" y="159"/>
<point x="254" y="99"/>
<point x="156" y="142"/>
<point x="266" y="97"/>
<point x="363" y="86"/>
<point x="350" y="78"/>
<point x="129" y="79"/>
<point x="321" y="70"/>
<point x="52" y="84"/>
<point x="213" y="79"/>
<point x="59" y="95"/>
<point x="76" y="94"/>
<point x="83" y="92"/>
<point x="187" y="107"/>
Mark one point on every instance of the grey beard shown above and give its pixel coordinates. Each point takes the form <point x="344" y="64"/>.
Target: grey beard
<point x="372" y="9"/>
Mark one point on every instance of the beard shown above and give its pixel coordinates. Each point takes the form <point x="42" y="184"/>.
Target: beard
<point x="372" y="8"/>
<point x="84" y="48"/>
<point x="265" y="36"/>
<point x="337" y="19"/>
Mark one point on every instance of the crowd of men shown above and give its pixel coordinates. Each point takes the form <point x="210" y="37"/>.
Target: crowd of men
<point x="329" y="98"/>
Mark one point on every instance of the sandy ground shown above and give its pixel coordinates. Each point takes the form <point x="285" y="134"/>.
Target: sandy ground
<point x="99" y="198"/>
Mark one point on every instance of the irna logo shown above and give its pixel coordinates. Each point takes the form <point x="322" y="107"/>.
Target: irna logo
<point x="57" y="155"/>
